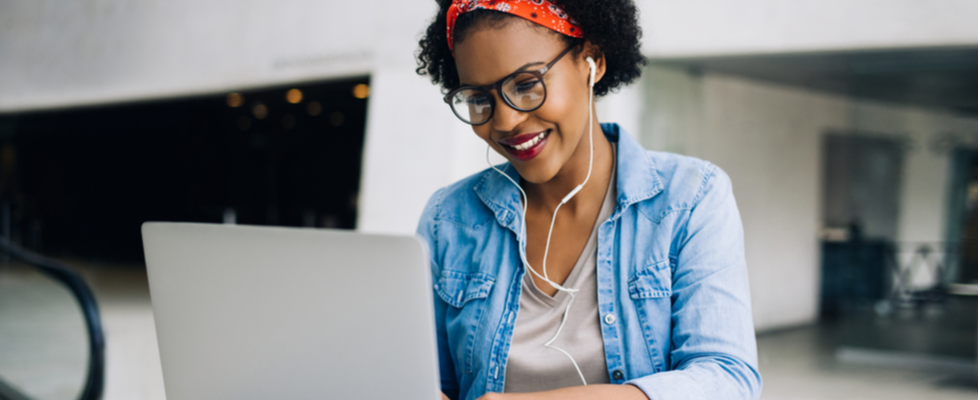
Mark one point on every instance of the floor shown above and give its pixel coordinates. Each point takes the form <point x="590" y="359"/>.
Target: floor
<point x="919" y="355"/>
<point x="796" y="365"/>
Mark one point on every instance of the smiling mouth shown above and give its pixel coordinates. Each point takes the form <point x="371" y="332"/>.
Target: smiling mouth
<point x="526" y="146"/>
<point x="530" y="143"/>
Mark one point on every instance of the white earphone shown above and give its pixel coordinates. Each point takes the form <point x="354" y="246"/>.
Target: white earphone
<point x="591" y="71"/>
<point x="547" y="246"/>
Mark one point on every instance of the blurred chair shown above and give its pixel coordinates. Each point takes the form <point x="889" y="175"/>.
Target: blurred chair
<point x="95" y="374"/>
<point x="932" y="260"/>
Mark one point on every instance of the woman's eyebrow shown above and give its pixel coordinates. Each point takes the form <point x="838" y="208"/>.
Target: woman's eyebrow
<point x="523" y="67"/>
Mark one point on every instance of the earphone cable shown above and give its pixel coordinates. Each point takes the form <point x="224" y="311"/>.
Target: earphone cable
<point x="522" y="243"/>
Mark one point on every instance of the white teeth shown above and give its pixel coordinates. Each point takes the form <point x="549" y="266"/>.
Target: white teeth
<point x="530" y="143"/>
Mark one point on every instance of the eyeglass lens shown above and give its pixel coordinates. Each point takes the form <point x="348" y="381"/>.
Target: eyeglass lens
<point x="523" y="92"/>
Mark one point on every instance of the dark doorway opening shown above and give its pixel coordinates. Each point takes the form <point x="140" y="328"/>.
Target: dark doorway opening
<point x="870" y="306"/>
<point x="962" y="219"/>
<point x="80" y="182"/>
<point x="861" y="186"/>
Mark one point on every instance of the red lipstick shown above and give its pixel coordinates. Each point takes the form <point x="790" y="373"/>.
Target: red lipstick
<point x="526" y="145"/>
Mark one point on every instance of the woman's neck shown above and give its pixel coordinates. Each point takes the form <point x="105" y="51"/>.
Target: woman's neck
<point x="547" y="195"/>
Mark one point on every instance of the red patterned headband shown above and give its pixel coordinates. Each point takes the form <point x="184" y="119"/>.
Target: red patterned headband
<point x="541" y="12"/>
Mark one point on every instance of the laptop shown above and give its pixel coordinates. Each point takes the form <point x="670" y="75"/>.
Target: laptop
<point x="246" y="312"/>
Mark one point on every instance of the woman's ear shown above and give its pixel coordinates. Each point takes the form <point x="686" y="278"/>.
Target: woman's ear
<point x="591" y="50"/>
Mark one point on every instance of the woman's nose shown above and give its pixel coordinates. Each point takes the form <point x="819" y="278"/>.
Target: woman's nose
<point x="505" y="118"/>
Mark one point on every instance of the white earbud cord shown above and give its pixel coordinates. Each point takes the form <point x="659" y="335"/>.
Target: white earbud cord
<point x="522" y="239"/>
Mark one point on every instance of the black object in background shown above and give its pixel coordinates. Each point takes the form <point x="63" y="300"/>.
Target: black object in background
<point x="81" y="182"/>
<point x="854" y="274"/>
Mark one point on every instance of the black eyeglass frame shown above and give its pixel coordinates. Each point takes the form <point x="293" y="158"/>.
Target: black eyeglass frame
<point x="538" y="73"/>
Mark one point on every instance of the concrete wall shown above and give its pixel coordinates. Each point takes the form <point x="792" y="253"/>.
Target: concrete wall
<point x="414" y="144"/>
<point x="723" y="27"/>
<point x="65" y="54"/>
<point x="767" y="137"/>
<point x="75" y="53"/>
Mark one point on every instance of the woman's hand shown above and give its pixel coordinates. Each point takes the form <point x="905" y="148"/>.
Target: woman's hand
<point x="444" y="397"/>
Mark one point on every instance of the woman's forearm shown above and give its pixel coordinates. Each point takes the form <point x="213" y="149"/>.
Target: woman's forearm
<point x="590" y="392"/>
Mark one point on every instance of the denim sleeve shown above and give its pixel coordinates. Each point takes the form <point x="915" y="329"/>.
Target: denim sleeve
<point x="713" y="352"/>
<point x="427" y="231"/>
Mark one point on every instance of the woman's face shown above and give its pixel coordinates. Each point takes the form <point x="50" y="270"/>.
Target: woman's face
<point x="547" y="137"/>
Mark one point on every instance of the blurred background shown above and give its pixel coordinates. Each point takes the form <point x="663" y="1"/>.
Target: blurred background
<point x="849" y="129"/>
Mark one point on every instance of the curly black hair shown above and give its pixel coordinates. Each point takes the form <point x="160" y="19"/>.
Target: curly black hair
<point x="609" y="24"/>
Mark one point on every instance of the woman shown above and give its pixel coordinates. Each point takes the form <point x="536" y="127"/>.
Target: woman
<point x="585" y="267"/>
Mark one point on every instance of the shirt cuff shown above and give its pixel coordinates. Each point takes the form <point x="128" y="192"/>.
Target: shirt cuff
<point x="670" y="385"/>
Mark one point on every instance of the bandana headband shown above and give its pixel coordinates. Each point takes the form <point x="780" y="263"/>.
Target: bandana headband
<point x="541" y="12"/>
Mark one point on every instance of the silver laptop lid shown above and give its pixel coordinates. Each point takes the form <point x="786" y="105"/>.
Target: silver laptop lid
<point x="246" y="312"/>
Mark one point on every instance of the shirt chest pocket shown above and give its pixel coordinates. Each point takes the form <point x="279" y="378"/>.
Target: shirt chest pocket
<point x="650" y="290"/>
<point x="457" y="288"/>
<point x="466" y="294"/>
<point x="651" y="282"/>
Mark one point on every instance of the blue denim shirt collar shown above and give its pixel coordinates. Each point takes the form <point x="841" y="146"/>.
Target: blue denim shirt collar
<point x="637" y="180"/>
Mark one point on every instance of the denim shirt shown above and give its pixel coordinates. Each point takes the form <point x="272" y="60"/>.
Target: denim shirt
<point x="672" y="286"/>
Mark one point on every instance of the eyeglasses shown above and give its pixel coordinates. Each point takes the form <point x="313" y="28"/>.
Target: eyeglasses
<point x="523" y="91"/>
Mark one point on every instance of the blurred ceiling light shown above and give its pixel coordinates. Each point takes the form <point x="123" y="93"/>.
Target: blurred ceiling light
<point x="235" y="100"/>
<point x="260" y="111"/>
<point x="294" y="96"/>
<point x="361" y="91"/>
<point x="288" y="121"/>
<point x="336" y="118"/>
<point x="244" y="123"/>
<point x="314" y="108"/>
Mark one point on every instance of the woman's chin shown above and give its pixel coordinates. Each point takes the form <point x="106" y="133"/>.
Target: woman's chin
<point x="538" y="173"/>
